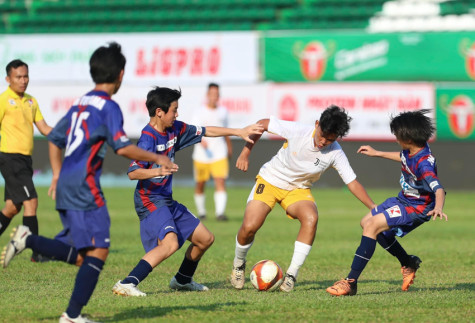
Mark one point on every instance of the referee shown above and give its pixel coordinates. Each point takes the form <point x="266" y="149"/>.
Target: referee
<point x="18" y="112"/>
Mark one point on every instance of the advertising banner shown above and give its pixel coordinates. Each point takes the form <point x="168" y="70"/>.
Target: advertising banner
<point x="358" y="56"/>
<point x="456" y="112"/>
<point x="152" y="58"/>
<point x="369" y="104"/>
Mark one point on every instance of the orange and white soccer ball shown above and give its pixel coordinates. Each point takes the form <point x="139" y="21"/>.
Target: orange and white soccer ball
<point x="266" y="275"/>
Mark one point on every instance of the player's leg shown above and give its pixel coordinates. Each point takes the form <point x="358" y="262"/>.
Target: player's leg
<point x="164" y="249"/>
<point x="220" y="172"/>
<point x="9" y="210"/>
<point x="89" y="231"/>
<point x="201" y="174"/>
<point x="372" y="226"/>
<point x="306" y="212"/>
<point x="254" y="217"/>
<point x="57" y="249"/>
<point x="201" y="239"/>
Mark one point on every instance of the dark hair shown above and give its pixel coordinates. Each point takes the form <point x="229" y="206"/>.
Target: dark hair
<point x="335" y="121"/>
<point x="106" y="63"/>
<point x="16" y="63"/>
<point x="161" y="97"/>
<point x="413" y="127"/>
<point x="213" y="85"/>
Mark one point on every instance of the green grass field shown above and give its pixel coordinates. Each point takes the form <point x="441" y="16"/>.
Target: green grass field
<point x="444" y="290"/>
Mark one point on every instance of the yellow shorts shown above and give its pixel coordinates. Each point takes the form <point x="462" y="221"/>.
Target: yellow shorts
<point x="203" y="171"/>
<point x="269" y="194"/>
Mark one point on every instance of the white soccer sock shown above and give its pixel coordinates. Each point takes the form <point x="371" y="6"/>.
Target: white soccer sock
<point x="200" y="204"/>
<point x="301" y="252"/>
<point x="220" y="199"/>
<point x="240" y="253"/>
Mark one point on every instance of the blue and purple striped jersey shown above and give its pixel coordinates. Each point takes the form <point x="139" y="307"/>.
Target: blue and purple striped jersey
<point x="150" y="194"/>
<point x="419" y="180"/>
<point x="93" y="120"/>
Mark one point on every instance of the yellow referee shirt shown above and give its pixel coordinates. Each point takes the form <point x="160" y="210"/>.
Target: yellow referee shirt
<point x="17" y="115"/>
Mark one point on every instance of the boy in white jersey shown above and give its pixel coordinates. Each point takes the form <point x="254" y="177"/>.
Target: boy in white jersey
<point x="287" y="178"/>
<point x="211" y="156"/>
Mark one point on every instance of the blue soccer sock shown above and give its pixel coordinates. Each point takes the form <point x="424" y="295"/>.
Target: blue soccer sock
<point x="362" y="256"/>
<point x="86" y="280"/>
<point x="139" y="273"/>
<point x="388" y="241"/>
<point x="51" y="248"/>
<point x="186" y="271"/>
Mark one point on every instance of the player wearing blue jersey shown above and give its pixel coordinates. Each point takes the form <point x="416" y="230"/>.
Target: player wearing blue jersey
<point x="165" y="224"/>
<point x="422" y="196"/>
<point x="93" y="120"/>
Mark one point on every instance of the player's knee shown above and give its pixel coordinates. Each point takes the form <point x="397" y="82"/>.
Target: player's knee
<point x="209" y="241"/>
<point x="309" y="220"/>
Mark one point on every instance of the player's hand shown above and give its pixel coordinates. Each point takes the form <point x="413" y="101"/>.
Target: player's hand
<point x="166" y="170"/>
<point x="242" y="163"/>
<point x="253" y="129"/>
<point x="367" y="150"/>
<point x="52" y="189"/>
<point x="204" y="143"/>
<point x="437" y="213"/>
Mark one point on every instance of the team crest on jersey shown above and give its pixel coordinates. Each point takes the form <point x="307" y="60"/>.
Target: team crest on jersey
<point x="199" y="130"/>
<point x="30" y="101"/>
<point x="12" y="102"/>
<point x="394" y="211"/>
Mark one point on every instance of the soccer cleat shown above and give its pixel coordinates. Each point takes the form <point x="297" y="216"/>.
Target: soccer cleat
<point x="409" y="273"/>
<point x="237" y="276"/>
<point x="192" y="287"/>
<point x="80" y="319"/>
<point x="16" y="245"/>
<point x="288" y="283"/>
<point x="127" y="290"/>
<point x="36" y="257"/>
<point x="343" y="287"/>
<point x="222" y="218"/>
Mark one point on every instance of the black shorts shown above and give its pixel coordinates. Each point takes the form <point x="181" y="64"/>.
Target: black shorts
<point x="17" y="171"/>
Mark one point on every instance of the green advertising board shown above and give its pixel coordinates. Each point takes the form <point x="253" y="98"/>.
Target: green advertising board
<point x="358" y="56"/>
<point x="455" y="113"/>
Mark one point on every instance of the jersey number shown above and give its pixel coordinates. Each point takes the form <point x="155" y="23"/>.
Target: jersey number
<point x="260" y="188"/>
<point x="76" y="133"/>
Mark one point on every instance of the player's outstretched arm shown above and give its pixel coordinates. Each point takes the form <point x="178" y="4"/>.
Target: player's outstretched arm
<point x="242" y="162"/>
<point x="56" y="162"/>
<point x="136" y="153"/>
<point x="370" y="151"/>
<point x="360" y="193"/>
<point x="437" y="212"/>
<point x="245" y="133"/>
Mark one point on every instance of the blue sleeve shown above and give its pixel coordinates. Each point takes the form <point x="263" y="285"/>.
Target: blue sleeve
<point x="429" y="175"/>
<point x="146" y="143"/>
<point x="188" y="134"/>
<point x="114" y="121"/>
<point x="58" y="134"/>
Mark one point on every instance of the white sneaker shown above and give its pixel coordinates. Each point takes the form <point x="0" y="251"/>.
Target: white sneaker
<point x="127" y="290"/>
<point x="193" y="286"/>
<point x="288" y="283"/>
<point x="80" y="319"/>
<point x="16" y="245"/>
<point x="237" y="276"/>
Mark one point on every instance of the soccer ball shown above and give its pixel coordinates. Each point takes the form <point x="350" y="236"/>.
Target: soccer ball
<point x="266" y="275"/>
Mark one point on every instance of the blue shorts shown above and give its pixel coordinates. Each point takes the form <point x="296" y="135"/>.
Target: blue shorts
<point x="401" y="218"/>
<point x="85" y="229"/>
<point x="175" y="218"/>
